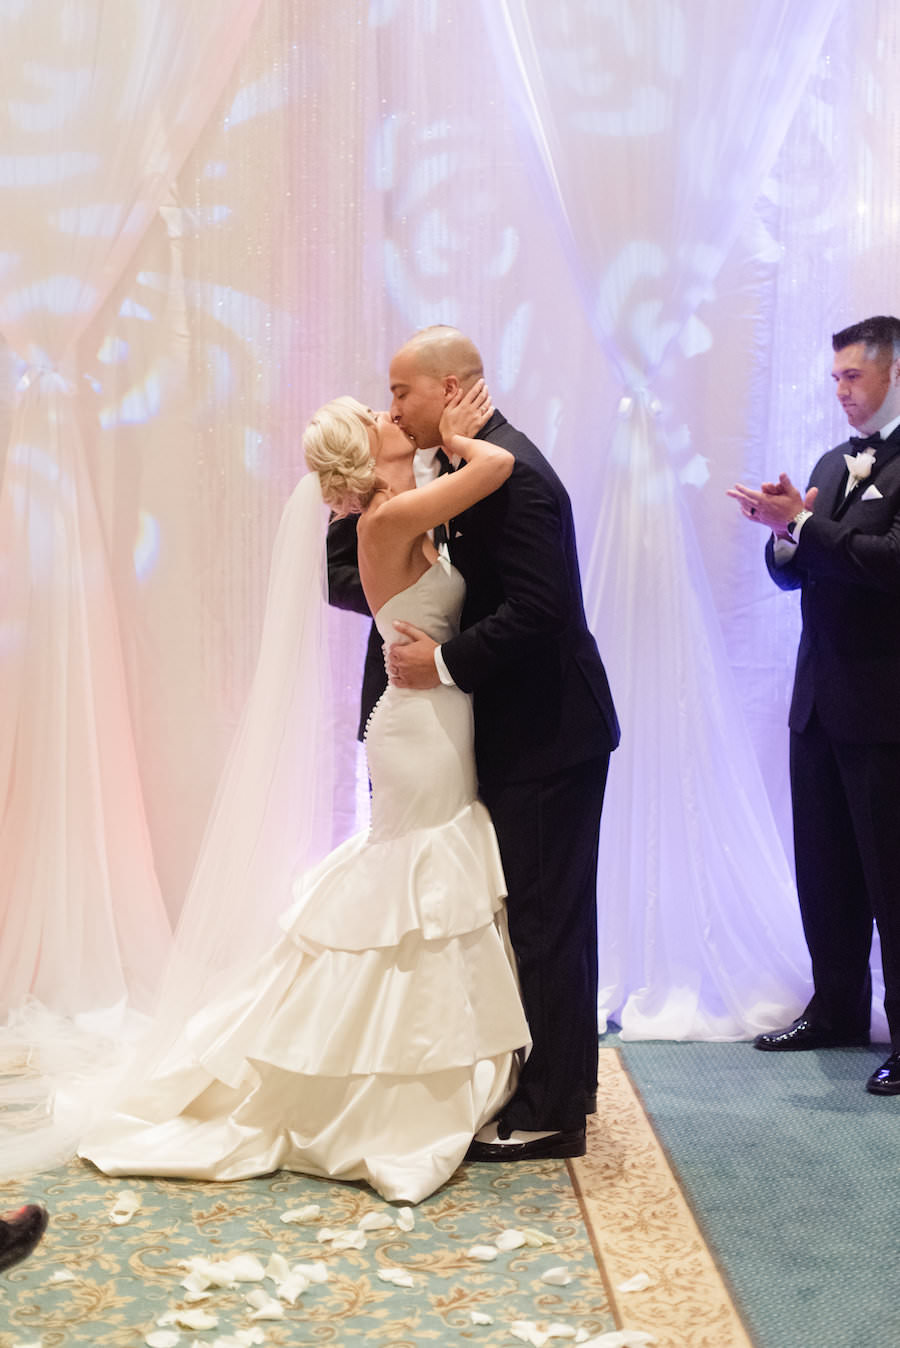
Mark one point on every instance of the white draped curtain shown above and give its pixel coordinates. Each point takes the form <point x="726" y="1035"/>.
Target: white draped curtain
<point x="655" y="137"/>
<point x="102" y="105"/>
<point x="650" y="216"/>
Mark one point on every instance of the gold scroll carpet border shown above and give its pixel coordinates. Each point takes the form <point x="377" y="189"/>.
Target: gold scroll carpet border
<point x="639" y="1222"/>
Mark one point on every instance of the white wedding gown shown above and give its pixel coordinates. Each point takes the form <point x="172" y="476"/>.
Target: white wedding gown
<point x="384" y="1027"/>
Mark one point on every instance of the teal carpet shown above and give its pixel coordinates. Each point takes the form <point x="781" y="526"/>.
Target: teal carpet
<point x="94" y="1283"/>
<point x="793" y="1173"/>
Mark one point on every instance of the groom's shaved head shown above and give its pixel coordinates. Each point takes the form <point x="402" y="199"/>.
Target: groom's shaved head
<point x="441" y="350"/>
<point x="425" y="374"/>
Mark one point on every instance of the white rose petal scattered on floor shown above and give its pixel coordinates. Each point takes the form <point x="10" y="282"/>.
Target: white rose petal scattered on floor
<point x="188" y="1319"/>
<point x="291" y="1288"/>
<point x="479" y="1318"/>
<point x="349" y="1240"/>
<point x="194" y="1297"/>
<point x="530" y="1332"/>
<point x="317" y="1272"/>
<point x="311" y="1213"/>
<point x="536" y="1238"/>
<point x="203" y="1273"/>
<point x="269" y="1310"/>
<point x="635" y="1284"/>
<point x="526" y="1331"/>
<point x="162" y="1338"/>
<point x="509" y="1240"/>
<point x="375" y="1221"/>
<point x="557" y="1277"/>
<point x="406" y="1219"/>
<point x="483" y="1252"/>
<point x="167" y="1318"/>
<point x="246" y="1268"/>
<point x="278" y="1268"/>
<point x="62" y="1275"/>
<point x="34" y="1343"/>
<point x="400" y="1277"/>
<point x="206" y="1273"/>
<point x="257" y="1298"/>
<point x="124" y="1208"/>
<point x="242" y="1338"/>
<point x="196" y="1283"/>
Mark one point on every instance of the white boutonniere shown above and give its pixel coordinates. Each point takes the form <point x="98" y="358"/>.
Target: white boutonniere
<point x="859" y="466"/>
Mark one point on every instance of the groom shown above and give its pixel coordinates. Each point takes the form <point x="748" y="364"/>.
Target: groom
<point x="544" y="729"/>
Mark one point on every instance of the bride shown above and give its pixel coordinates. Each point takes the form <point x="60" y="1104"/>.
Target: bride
<point x="383" y="1027"/>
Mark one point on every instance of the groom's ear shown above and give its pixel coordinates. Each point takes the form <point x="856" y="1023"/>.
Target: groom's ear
<point x="451" y="385"/>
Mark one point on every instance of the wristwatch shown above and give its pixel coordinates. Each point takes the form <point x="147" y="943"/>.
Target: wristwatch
<point x="794" y="524"/>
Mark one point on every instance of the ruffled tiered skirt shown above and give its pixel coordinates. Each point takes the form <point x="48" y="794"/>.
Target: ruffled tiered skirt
<point x="375" y="1038"/>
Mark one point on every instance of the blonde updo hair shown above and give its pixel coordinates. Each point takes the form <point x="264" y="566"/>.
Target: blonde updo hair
<point x="337" y="447"/>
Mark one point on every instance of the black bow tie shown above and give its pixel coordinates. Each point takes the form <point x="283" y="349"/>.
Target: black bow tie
<point x="857" y="442"/>
<point x="444" y="464"/>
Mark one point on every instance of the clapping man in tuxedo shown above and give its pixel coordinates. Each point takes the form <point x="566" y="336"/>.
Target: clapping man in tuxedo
<point x="840" y="546"/>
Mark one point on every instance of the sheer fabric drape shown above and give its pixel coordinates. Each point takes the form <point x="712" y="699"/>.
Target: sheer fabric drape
<point x="680" y="109"/>
<point x="102" y="104"/>
<point x="330" y="177"/>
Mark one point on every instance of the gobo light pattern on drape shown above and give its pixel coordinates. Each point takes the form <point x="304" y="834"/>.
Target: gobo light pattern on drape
<point x="102" y="104"/>
<point x="574" y="184"/>
<point x="683" y="116"/>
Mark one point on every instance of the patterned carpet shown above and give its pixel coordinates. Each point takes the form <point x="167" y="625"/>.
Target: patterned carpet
<point x="586" y="1230"/>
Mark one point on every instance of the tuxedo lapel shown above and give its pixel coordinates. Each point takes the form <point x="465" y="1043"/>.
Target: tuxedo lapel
<point x="832" y="491"/>
<point x="886" y="451"/>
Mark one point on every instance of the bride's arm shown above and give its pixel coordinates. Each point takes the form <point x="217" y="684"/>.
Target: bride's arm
<point x="486" y="468"/>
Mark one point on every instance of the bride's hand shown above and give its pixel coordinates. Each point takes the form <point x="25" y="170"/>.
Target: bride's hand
<point x="466" y="413"/>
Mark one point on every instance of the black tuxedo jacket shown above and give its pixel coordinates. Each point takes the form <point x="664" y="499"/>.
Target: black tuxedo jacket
<point x="345" y="591"/>
<point x="847" y="565"/>
<point x="542" y="700"/>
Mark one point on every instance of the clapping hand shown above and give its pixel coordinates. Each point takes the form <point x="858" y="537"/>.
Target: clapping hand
<point x="774" y="505"/>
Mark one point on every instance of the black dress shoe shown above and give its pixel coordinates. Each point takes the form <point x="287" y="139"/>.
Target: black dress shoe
<point x="803" y="1035"/>
<point x="886" y="1080"/>
<point x="554" y="1147"/>
<point x="20" y="1232"/>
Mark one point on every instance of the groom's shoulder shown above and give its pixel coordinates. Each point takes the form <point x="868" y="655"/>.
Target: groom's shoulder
<point x="501" y="432"/>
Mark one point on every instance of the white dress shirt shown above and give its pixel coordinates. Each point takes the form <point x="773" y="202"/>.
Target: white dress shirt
<point x="783" y="549"/>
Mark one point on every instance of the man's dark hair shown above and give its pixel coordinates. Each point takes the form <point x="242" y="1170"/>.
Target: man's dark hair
<point x="882" y="332"/>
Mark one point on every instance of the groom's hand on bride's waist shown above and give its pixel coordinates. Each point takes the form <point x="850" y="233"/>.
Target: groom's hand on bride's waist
<point x="410" y="664"/>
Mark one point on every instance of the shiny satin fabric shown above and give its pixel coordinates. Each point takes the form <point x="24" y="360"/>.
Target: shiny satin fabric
<point x="383" y="1028"/>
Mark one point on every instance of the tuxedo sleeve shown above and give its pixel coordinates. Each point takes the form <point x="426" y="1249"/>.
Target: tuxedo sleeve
<point x="524" y="524"/>
<point x="344" y="586"/>
<point x="830" y="550"/>
<point x="786" y="575"/>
